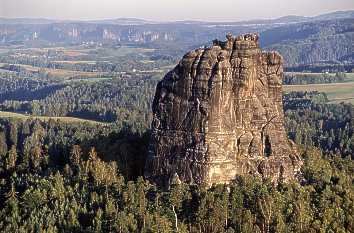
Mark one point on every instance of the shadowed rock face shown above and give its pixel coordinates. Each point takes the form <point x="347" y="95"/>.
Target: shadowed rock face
<point x="219" y="114"/>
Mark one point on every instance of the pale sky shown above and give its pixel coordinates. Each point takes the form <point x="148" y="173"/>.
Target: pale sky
<point x="163" y="10"/>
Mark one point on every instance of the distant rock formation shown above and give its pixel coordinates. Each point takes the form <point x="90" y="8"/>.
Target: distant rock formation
<point x="219" y="114"/>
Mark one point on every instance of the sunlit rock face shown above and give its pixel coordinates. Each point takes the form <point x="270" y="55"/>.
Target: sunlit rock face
<point x="219" y="114"/>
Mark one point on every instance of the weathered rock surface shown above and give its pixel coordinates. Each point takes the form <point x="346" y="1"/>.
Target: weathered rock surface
<point x="219" y="114"/>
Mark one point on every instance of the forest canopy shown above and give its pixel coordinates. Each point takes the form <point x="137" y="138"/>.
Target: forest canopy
<point x="72" y="177"/>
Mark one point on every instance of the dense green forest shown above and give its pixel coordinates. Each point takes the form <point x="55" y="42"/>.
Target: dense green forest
<point x="119" y="98"/>
<point x="309" y="43"/>
<point x="69" y="177"/>
<point x="311" y="122"/>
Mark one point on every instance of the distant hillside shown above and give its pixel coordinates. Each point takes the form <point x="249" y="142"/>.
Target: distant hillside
<point x="313" y="42"/>
<point x="26" y="21"/>
<point x="122" y="21"/>
<point x="335" y="15"/>
<point x="301" y="40"/>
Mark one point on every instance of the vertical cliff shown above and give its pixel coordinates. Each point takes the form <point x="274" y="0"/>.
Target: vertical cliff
<point x="219" y="114"/>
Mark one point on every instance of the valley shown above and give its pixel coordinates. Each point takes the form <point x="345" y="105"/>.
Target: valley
<point x="83" y="106"/>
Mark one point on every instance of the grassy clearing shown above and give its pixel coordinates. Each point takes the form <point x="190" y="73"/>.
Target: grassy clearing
<point x="75" y="51"/>
<point x="336" y="92"/>
<point x="61" y="73"/>
<point x="6" y="71"/>
<point x="45" y="118"/>
<point x="349" y="77"/>
<point x="68" y="51"/>
<point x="147" y="61"/>
<point x="125" y="50"/>
<point x="77" y="62"/>
<point x="2" y="51"/>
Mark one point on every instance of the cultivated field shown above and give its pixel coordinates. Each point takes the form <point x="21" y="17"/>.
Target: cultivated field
<point x="336" y="92"/>
<point x="61" y="73"/>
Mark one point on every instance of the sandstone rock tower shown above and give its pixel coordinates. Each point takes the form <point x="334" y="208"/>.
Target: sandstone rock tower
<point x="219" y="114"/>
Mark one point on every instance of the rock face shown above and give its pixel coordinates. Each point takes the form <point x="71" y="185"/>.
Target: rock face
<point x="219" y="114"/>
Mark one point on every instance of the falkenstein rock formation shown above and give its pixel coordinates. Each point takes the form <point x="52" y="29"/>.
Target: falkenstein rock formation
<point x="219" y="114"/>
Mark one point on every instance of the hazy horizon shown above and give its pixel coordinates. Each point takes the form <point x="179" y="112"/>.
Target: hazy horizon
<point x="162" y="10"/>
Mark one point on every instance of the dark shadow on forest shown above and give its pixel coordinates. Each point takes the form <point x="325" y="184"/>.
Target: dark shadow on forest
<point x="126" y="147"/>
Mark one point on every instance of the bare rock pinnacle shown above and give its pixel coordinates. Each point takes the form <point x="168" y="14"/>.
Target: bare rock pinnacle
<point x="219" y="114"/>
